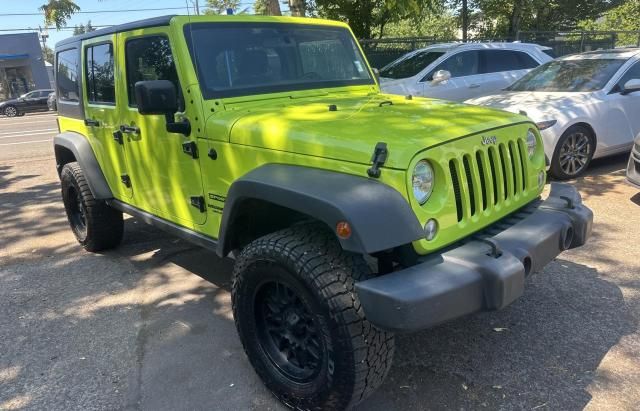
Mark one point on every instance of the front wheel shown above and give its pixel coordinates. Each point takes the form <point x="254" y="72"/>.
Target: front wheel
<point x="11" y="111"/>
<point x="573" y="153"/>
<point x="301" y="323"/>
<point x="96" y="225"/>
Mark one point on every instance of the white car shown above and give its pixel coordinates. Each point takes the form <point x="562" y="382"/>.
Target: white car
<point x="585" y="105"/>
<point x="458" y="71"/>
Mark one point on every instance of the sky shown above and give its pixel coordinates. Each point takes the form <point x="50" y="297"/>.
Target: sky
<point x="108" y="16"/>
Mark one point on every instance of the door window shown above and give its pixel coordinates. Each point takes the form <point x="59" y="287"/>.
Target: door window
<point x="150" y="58"/>
<point x="632" y="73"/>
<point x="99" y="74"/>
<point x="67" y="76"/>
<point x="466" y="63"/>
<point x="495" y="61"/>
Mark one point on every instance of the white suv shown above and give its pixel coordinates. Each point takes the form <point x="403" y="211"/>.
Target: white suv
<point x="458" y="71"/>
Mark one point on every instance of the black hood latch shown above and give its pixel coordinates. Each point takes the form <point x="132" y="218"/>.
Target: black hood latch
<point x="378" y="158"/>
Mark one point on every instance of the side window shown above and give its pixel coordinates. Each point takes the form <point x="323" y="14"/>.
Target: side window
<point x="466" y="63"/>
<point x="99" y="74"/>
<point x="150" y="58"/>
<point x="632" y="73"/>
<point x="67" y="76"/>
<point x="495" y="61"/>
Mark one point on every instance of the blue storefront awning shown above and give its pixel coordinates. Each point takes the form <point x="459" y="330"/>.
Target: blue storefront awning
<point x="13" y="56"/>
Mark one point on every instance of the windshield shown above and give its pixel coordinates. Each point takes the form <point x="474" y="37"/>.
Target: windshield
<point x="238" y="59"/>
<point x="410" y="65"/>
<point x="569" y="75"/>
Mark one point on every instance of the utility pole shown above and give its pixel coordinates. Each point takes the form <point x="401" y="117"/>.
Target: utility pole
<point x="197" y="8"/>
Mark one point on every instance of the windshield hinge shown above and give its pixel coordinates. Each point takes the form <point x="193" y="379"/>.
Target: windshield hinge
<point x="378" y="158"/>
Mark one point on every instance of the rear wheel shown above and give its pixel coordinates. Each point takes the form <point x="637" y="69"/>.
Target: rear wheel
<point x="96" y="225"/>
<point x="301" y="323"/>
<point x="573" y="153"/>
<point x="10" y="111"/>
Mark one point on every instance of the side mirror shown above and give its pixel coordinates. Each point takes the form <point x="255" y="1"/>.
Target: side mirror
<point x="160" y="97"/>
<point x="631" y="86"/>
<point x="440" y="76"/>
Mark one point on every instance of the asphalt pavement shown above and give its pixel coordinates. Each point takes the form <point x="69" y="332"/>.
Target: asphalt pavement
<point x="149" y="325"/>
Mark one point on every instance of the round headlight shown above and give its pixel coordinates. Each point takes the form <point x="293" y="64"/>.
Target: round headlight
<point x="532" y="142"/>
<point x="422" y="181"/>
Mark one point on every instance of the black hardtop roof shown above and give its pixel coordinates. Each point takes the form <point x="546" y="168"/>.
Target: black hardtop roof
<point x="139" y="24"/>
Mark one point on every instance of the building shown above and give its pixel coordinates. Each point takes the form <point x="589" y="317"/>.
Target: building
<point x="22" y="67"/>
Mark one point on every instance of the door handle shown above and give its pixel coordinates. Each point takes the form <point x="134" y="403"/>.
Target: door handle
<point x="91" y="123"/>
<point x="129" y="129"/>
<point x="474" y="86"/>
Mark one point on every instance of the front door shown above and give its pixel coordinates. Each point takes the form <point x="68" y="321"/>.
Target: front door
<point x="103" y="105"/>
<point x="166" y="181"/>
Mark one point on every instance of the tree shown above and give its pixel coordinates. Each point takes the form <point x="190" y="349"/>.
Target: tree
<point x="81" y="29"/>
<point x="47" y="54"/>
<point x="57" y="12"/>
<point x="504" y="18"/>
<point x="372" y="16"/>
<point x="624" y="17"/>
<point x="297" y="7"/>
<point x="221" y="6"/>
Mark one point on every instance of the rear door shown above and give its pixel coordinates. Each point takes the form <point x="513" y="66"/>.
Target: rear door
<point x="102" y="111"/>
<point x="501" y="68"/>
<point x="166" y="180"/>
<point x="41" y="103"/>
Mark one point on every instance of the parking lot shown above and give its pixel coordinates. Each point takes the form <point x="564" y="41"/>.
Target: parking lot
<point x="149" y="325"/>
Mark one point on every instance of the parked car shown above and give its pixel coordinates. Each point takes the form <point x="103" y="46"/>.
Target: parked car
<point x="30" y="102"/>
<point x="459" y="71"/>
<point x="585" y="105"/>
<point x="352" y="214"/>
<point x="51" y="102"/>
<point x="633" y="169"/>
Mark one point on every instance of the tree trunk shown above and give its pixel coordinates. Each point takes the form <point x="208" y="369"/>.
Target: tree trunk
<point x="273" y="8"/>
<point x="297" y="7"/>
<point x="516" y="19"/>
<point x="465" y="20"/>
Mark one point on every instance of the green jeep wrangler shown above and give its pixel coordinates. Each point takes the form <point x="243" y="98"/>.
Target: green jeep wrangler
<point x="351" y="214"/>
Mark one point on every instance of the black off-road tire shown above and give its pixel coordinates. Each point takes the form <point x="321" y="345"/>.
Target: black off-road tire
<point x="96" y="225"/>
<point x="354" y="355"/>
<point x="556" y="169"/>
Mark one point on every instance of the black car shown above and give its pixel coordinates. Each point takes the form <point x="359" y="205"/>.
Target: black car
<point x="30" y="102"/>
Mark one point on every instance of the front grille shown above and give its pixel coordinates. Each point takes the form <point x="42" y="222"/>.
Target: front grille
<point x="488" y="177"/>
<point x="637" y="163"/>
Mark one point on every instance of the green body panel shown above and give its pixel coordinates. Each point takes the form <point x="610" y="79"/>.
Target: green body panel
<point x="297" y="128"/>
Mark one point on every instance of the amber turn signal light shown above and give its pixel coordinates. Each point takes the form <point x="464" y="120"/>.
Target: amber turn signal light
<point x="343" y="230"/>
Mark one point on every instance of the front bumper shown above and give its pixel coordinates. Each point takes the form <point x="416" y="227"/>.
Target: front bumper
<point x="485" y="273"/>
<point x="633" y="168"/>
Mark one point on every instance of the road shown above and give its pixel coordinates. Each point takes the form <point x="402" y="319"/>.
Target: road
<point x="149" y="326"/>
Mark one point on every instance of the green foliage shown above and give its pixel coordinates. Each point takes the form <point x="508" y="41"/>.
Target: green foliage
<point x="57" y="12"/>
<point x="623" y="17"/>
<point x="221" y="6"/>
<point x="81" y="29"/>
<point x="47" y="54"/>
<point x="367" y="17"/>
<point x="441" y="24"/>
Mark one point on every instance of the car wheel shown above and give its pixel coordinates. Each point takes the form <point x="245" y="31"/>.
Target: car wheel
<point x="573" y="153"/>
<point x="10" y="111"/>
<point x="301" y="323"/>
<point x="96" y="225"/>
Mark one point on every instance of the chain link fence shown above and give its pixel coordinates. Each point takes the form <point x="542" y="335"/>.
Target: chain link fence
<point x="382" y="51"/>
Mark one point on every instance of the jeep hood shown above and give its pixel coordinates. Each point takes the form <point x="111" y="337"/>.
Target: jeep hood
<point x="358" y="123"/>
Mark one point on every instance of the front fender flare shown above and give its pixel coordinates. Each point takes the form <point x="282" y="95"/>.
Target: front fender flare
<point x="84" y="155"/>
<point x="380" y="217"/>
